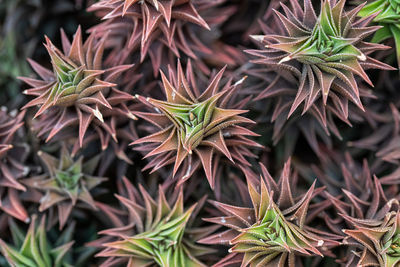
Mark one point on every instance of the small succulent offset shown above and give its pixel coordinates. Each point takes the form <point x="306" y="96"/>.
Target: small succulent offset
<point x="78" y="90"/>
<point x="158" y="233"/>
<point x="323" y="53"/>
<point x="271" y="232"/>
<point x="34" y="249"/>
<point x="380" y="240"/>
<point x="388" y="16"/>
<point x="65" y="182"/>
<point x="194" y="125"/>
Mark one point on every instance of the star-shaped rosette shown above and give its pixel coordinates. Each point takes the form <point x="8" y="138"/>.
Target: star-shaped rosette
<point x="78" y="91"/>
<point x="152" y="18"/>
<point x="65" y="182"/>
<point x="272" y="230"/>
<point x="195" y="126"/>
<point x="323" y="53"/>
<point x="165" y="30"/>
<point x="380" y="240"/>
<point x="159" y="232"/>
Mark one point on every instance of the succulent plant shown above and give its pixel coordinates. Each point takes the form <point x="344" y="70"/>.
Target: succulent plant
<point x="272" y="231"/>
<point x="161" y="95"/>
<point x="379" y="239"/>
<point x="387" y="15"/>
<point x="165" y="30"/>
<point x="194" y="124"/>
<point x="12" y="156"/>
<point x="358" y="198"/>
<point x="65" y="181"/>
<point x="152" y="19"/>
<point x="323" y="54"/>
<point x="34" y="249"/>
<point x="78" y="91"/>
<point x="159" y="232"/>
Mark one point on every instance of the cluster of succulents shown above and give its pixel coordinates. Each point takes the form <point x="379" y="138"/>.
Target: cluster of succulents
<point x="199" y="133"/>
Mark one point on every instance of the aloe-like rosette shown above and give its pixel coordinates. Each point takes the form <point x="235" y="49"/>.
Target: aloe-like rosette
<point x="34" y="249"/>
<point x="159" y="232"/>
<point x="272" y="232"/>
<point x="155" y="19"/>
<point x="12" y="156"/>
<point x="20" y="22"/>
<point x="77" y="91"/>
<point x="194" y="125"/>
<point x="323" y="53"/>
<point x="386" y="14"/>
<point x="65" y="181"/>
<point x="379" y="239"/>
<point x="164" y="30"/>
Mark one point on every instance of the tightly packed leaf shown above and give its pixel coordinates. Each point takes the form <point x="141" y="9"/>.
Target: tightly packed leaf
<point x="158" y="234"/>
<point x="65" y="182"/>
<point x="272" y="231"/>
<point x="33" y="249"/>
<point x="323" y="53"/>
<point x="194" y="124"/>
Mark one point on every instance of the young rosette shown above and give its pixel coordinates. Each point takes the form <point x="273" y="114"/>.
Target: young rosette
<point x="77" y="91"/>
<point x="386" y="14"/>
<point x="359" y="202"/>
<point x="323" y="53"/>
<point x="159" y="233"/>
<point x="34" y="249"/>
<point x="13" y="153"/>
<point x="154" y="20"/>
<point x="195" y="126"/>
<point x="65" y="182"/>
<point x="379" y="239"/>
<point x="272" y="231"/>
